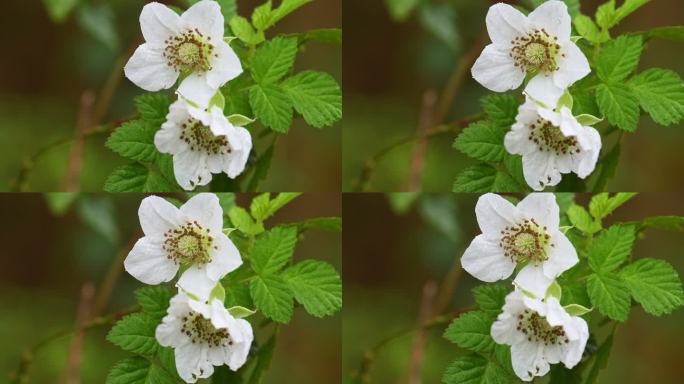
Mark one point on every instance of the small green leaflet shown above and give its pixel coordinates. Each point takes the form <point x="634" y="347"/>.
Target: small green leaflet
<point x="244" y="31"/>
<point x="491" y="297"/>
<point x="609" y="294"/>
<point x="661" y="94"/>
<point x="261" y="17"/>
<point x="579" y="217"/>
<point x="244" y="222"/>
<point x="619" y="104"/>
<point x="134" y="140"/>
<point x="654" y="284"/>
<point x="602" y="205"/>
<point x="59" y="10"/>
<point x="607" y="16"/>
<point x="619" y="58"/>
<point x="138" y="370"/>
<point x="135" y="333"/>
<point x="471" y="331"/>
<point x="316" y="285"/>
<point x="500" y="109"/>
<point x="586" y="28"/>
<point x="484" y="178"/>
<point x="153" y="107"/>
<point x="272" y="106"/>
<point x="154" y="300"/>
<point x="137" y="178"/>
<point x="611" y="248"/>
<point x="272" y="297"/>
<point x="263" y="207"/>
<point x="471" y="369"/>
<point x="316" y="96"/>
<point x="273" y="60"/>
<point x="400" y="10"/>
<point x="273" y="250"/>
<point x="482" y="141"/>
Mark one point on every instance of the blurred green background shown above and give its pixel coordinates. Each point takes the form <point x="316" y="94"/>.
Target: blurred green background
<point x="391" y="251"/>
<point x="46" y="68"/>
<point x="51" y="251"/>
<point x="389" y="64"/>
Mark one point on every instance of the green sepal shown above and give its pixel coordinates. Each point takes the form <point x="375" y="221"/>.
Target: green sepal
<point x="239" y="312"/>
<point x="229" y="39"/>
<point x="565" y="100"/>
<point x="228" y="231"/>
<point x="218" y="293"/>
<point x="554" y="290"/>
<point x="218" y="100"/>
<point x="575" y="39"/>
<point x="565" y="228"/>
<point x="240" y="120"/>
<point x="577" y="310"/>
<point x="587" y="119"/>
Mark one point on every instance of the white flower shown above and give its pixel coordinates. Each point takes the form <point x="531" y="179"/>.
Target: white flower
<point x="551" y="143"/>
<point x="203" y="336"/>
<point x="191" y="236"/>
<point x="202" y="142"/>
<point x="190" y="45"/>
<point x="540" y="332"/>
<point x="527" y="233"/>
<point x="538" y="44"/>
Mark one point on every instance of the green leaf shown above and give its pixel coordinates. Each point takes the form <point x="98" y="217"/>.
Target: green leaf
<point x="482" y="141"/>
<point x="273" y="60"/>
<point x="135" y="333"/>
<point x="400" y="10"/>
<point x="500" y="109"/>
<point x="137" y="178"/>
<point x="134" y="140"/>
<point x="244" y="31"/>
<point x="273" y="249"/>
<point x="579" y="217"/>
<point x="286" y="7"/>
<point x="316" y="96"/>
<point x="226" y="201"/>
<point x="611" y="248"/>
<point x="619" y="104"/>
<point x="272" y="297"/>
<point x="654" y="284"/>
<point x="153" y="107"/>
<point x="491" y="297"/>
<point x="619" y="58"/>
<point x="138" y="370"/>
<point x="475" y="369"/>
<point x="244" y="222"/>
<point x="586" y="28"/>
<point x="261" y="16"/>
<point x="605" y="14"/>
<point x="601" y="205"/>
<point x="154" y="300"/>
<point x="60" y="202"/>
<point x="484" y="178"/>
<point x="316" y="285"/>
<point x="272" y="106"/>
<point x="237" y="295"/>
<point x="668" y="223"/>
<point x="609" y="294"/>
<point x="575" y="293"/>
<point x="59" y="10"/>
<point x="471" y="331"/>
<point x="263" y="207"/>
<point x="661" y="94"/>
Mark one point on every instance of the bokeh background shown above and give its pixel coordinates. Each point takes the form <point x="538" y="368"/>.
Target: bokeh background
<point x="389" y="64"/>
<point x="52" y="248"/>
<point x="393" y="247"/>
<point x="47" y="66"/>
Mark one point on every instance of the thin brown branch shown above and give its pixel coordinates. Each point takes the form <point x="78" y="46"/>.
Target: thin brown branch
<point x="104" y="291"/>
<point x="426" y="121"/>
<point x="75" y="350"/>
<point x="427" y="310"/>
<point x="85" y="121"/>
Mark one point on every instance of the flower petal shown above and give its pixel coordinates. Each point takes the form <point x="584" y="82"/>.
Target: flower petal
<point x="206" y="210"/>
<point x="562" y="256"/>
<point x="240" y="351"/>
<point x="167" y="139"/>
<point x="206" y="16"/>
<point x="225" y="259"/>
<point x="572" y="67"/>
<point x="196" y="282"/>
<point x="157" y="216"/>
<point x="543" y="89"/>
<point x="553" y="16"/>
<point x="188" y="361"/>
<point x="191" y="170"/>
<point x="586" y="162"/>
<point x="485" y="260"/>
<point x="496" y="71"/>
<point x="525" y="358"/>
<point x="148" y="263"/>
<point x="494" y="213"/>
<point x="148" y="69"/>
<point x="532" y="278"/>
<point x="540" y="171"/>
<point x="517" y="140"/>
<point x="543" y="208"/>
<point x="575" y="349"/>
<point x="242" y="140"/>
<point x="225" y="67"/>
<point x="196" y="89"/>
<point x="158" y="22"/>
<point x="504" y="23"/>
<point x="169" y="334"/>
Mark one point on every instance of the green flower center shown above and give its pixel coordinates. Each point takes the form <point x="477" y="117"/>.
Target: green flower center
<point x="526" y="242"/>
<point x="550" y="138"/>
<point x="190" y="243"/>
<point x="538" y="329"/>
<point x="200" y="138"/>
<point x="201" y="330"/>
<point x="536" y="52"/>
<point x="189" y="52"/>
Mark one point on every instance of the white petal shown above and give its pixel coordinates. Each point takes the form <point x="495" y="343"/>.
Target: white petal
<point x="494" y="213"/>
<point x="191" y="170"/>
<point x="562" y="256"/>
<point x="241" y="350"/>
<point x="543" y="208"/>
<point x="549" y="115"/>
<point x="188" y="361"/>
<point x="586" y="162"/>
<point x="496" y="71"/>
<point x="225" y="259"/>
<point x="575" y="349"/>
<point x="525" y="358"/>
<point x="158" y="22"/>
<point x="168" y="333"/>
<point x="206" y="210"/>
<point x="531" y="278"/>
<point x="158" y="216"/>
<point x="572" y="67"/>
<point x="207" y="17"/>
<point x="167" y="139"/>
<point x="504" y="330"/>
<point x="148" y="69"/>
<point x="543" y="89"/>
<point x="569" y="126"/>
<point x="241" y="138"/>
<point x="195" y="281"/>
<point x="553" y="16"/>
<point x="504" y="23"/>
<point x="196" y="89"/>
<point x="148" y="262"/>
<point x="540" y="171"/>
<point x="485" y="260"/>
<point x="225" y="67"/>
<point x="557" y="316"/>
<point x="517" y="140"/>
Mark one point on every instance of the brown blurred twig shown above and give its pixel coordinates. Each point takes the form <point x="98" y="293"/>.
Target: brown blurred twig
<point x="427" y="114"/>
<point x="427" y="310"/>
<point x="75" y="350"/>
<point x="85" y="121"/>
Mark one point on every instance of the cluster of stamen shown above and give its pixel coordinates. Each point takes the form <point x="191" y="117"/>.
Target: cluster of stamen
<point x="200" y="138"/>
<point x="189" y="51"/>
<point x="537" y="329"/>
<point x="527" y="241"/>
<point x="201" y="331"/>
<point x="536" y="51"/>
<point x="550" y="138"/>
<point x="189" y="243"/>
